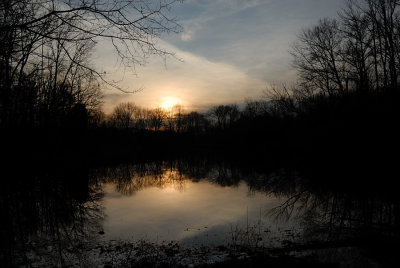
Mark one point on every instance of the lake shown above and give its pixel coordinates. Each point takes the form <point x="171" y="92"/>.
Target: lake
<point x="174" y="207"/>
<point x="67" y="213"/>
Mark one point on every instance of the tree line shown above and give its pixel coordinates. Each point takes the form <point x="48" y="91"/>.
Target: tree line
<point x="128" y="116"/>
<point x="359" y="50"/>
<point x="350" y="58"/>
<point x="46" y="77"/>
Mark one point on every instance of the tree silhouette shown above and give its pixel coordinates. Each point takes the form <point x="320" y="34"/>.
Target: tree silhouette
<point x="358" y="52"/>
<point x="317" y="57"/>
<point x="47" y="42"/>
<point x="157" y="117"/>
<point x="225" y="115"/>
<point x="123" y="115"/>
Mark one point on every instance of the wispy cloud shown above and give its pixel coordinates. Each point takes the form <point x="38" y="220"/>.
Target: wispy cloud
<point x="210" y="10"/>
<point x="231" y="49"/>
<point x="196" y="81"/>
<point x="254" y="36"/>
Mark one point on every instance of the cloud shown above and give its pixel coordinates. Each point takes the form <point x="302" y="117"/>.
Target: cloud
<point x="196" y="81"/>
<point x="187" y="35"/>
<point x="230" y="50"/>
<point x="254" y="36"/>
<point x="210" y="10"/>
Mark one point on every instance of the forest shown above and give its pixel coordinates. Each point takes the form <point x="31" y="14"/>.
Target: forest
<point x="344" y="101"/>
<point x="324" y="146"/>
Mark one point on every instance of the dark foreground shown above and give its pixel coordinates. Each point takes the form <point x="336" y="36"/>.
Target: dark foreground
<point x="365" y="252"/>
<point x="336" y="168"/>
<point x="52" y="215"/>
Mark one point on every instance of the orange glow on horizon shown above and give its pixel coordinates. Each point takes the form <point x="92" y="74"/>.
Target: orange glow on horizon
<point x="168" y="102"/>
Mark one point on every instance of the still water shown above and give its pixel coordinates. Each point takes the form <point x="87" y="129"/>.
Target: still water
<point x="185" y="211"/>
<point x="70" y="213"/>
<point x="211" y="206"/>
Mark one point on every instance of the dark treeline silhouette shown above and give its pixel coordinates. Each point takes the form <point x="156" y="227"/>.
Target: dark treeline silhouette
<point x="343" y="106"/>
<point x="342" y="111"/>
<point x="338" y="130"/>
<point x="46" y="78"/>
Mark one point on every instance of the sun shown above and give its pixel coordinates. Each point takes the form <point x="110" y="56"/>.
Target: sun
<point x="168" y="102"/>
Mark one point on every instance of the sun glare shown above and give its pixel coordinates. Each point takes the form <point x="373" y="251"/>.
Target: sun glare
<point x="168" y="102"/>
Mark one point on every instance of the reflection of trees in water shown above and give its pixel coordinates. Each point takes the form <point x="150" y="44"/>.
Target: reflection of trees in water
<point x="341" y="213"/>
<point x="337" y="212"/>
<point x="62" y="206"/>
<point x="130" y="178"/>
<point x="46" y="208"/>
<point x="335" y="209"/>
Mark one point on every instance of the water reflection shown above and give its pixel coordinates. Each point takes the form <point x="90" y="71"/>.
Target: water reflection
<point x="177" y="201"/>
<point x="46" y="211"/>
<point x="51" y="215"/>
<point x="202" y="213"/>
<point x="339" y="212"/>
<point x="320" y="214"/>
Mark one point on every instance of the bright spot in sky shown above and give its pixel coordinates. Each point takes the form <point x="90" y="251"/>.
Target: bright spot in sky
<point x="168" y="102"/>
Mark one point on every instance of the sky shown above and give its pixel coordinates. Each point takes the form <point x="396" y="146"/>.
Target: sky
<point x="229" y="51"/>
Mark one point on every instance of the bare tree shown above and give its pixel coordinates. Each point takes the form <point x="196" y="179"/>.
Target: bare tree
<point x="179" y="114"/>
<point x="254" y="108"/>
<point x="318" y="58"/>
<point x="130" y="25"/>
<point x="123" y="114"/>
<point x="225" y="115"/>
<point x="194" y="122"/>
<point x="358" y="45"/>
<point x="385" y="19"/>
<point x="283" y="101"/>
<point x="142" y="118"/>
<point x="359" y="51"/>
<point x="157" y="117"/>
<point x="46" y="40"/>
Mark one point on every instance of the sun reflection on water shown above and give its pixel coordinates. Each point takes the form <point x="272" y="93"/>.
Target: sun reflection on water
<point x="166" y="204"/>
